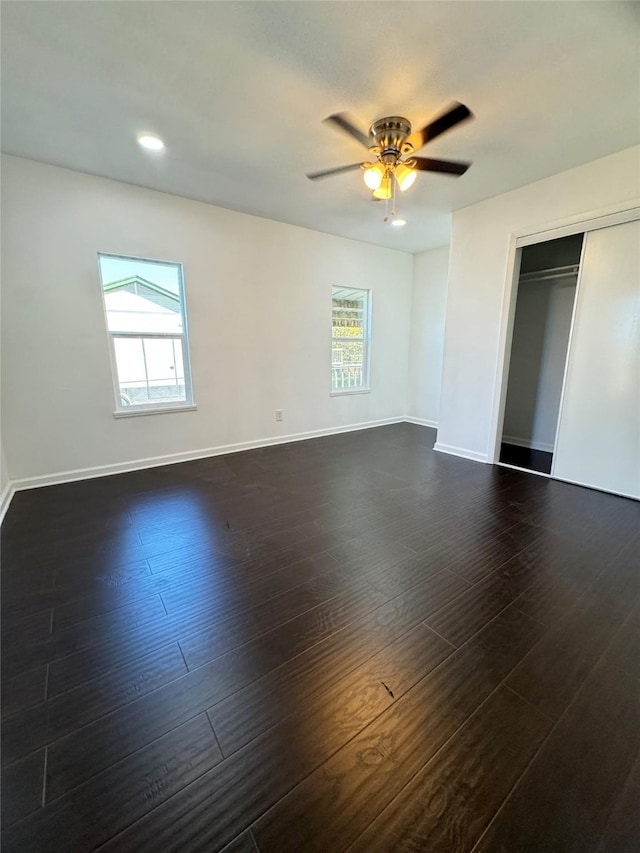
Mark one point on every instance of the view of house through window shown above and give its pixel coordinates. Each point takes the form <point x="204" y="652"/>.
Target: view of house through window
<point x="350" y="339"/>
<point x="144" y="307"/>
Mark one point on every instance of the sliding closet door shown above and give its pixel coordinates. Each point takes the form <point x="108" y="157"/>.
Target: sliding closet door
<point x="598" y="440"/>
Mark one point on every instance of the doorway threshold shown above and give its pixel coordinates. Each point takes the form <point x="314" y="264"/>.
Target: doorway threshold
<point x="523" y="470"/>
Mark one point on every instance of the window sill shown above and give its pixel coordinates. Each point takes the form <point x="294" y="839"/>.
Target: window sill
<point x="349" y="391"/>
<point x="136" y="413"/>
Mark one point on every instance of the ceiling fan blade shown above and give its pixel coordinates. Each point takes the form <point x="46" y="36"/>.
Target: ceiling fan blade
<point x="453" y="116"/>
<point x="343" y="121"/>
<point x="326" y="173"/>
<point x="450" y="167"/>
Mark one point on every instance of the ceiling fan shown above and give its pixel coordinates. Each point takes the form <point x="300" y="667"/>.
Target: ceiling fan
<point x="392" y="143"/>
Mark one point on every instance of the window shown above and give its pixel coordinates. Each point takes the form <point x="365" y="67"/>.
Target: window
<point x="350" y="339"/>
<point x="146" y="321"/>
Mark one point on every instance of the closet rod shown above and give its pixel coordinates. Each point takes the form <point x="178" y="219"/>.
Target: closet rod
<point x="550" y="273"/>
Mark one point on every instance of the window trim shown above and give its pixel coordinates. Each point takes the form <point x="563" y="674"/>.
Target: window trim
<point x="366" y="366"/>
<point x="149" y="408"/>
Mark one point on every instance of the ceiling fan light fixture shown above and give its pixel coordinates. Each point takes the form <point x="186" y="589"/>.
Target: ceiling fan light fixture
<point x="374" y="175"/>
<point x="384" y="190"/>
<point x="404" y="176"/>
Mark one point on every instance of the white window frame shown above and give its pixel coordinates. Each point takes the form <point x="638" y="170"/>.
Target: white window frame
<point x="365" y="388"/>
<point x="149" y="408"/>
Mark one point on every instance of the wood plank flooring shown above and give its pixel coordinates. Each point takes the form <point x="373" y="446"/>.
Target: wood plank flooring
<point x="346" y="644"/>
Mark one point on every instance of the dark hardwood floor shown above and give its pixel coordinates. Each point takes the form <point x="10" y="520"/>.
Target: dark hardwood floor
<point x="351" y="643"/>
<point x="524" y="457"/>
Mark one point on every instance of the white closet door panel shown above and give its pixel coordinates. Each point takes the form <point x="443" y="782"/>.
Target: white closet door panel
<point x="598" y="441"/>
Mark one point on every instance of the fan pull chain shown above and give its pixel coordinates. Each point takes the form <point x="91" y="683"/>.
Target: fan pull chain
<point x="393" y="204"/>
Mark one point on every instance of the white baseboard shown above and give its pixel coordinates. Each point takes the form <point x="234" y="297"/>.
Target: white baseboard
<point x="462" y="452"/>
<point x="421" y="422"/>
<point x="528" y="443"/>
<point x="5" y="499"/>
<point x="152" y="462"/>
<point x="187" y="456"/>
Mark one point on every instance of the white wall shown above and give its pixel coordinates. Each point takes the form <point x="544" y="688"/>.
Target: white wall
<point x="259" y="313"/>
<point x="4" y="479"/>
<point x="430" y="270"/>
<point x="538" y="357"/>
<point x="477" y="279"/>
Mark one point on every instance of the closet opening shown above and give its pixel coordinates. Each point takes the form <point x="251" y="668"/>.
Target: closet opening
<point x="542" y="323"/>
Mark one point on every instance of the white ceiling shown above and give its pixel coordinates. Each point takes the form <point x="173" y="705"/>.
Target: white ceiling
<point x="238" y="90"/>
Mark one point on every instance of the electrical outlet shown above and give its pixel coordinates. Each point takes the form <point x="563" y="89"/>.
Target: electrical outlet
<point x="279" y="416"/>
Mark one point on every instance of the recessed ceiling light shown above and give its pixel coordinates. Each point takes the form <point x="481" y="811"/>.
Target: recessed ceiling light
<point x="152" y="143"/>
<point x="398" y="223"/>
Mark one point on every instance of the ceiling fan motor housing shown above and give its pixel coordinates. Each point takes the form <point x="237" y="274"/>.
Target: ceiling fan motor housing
<point x="389" y="136"/>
